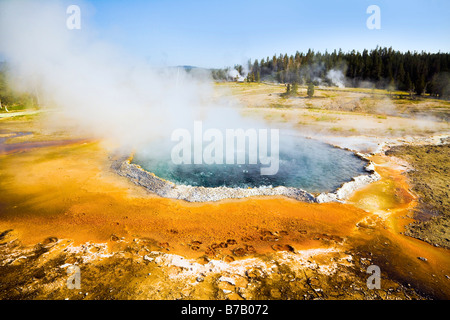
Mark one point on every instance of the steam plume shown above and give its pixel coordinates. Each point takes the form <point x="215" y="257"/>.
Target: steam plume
<point x="106" y="91"/>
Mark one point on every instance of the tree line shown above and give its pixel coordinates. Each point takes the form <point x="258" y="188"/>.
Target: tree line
<point x="415" y="72"/>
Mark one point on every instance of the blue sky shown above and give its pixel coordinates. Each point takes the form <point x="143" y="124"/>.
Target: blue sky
<point x="210" y="33"/>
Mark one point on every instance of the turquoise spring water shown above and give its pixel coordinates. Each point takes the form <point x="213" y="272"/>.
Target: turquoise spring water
<point x="303" y="163"/>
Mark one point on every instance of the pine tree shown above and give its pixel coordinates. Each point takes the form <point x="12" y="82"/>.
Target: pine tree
<point x="294" y="88"/>
<point x="310" y="91"/>
<point x="409" y="85"/>
<point x="391" y="86"/>
<point x="381" y="66"/>
<point x="420" y="84"/>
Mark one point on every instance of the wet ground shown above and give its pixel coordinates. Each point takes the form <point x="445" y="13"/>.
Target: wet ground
<point x="63" y="209"/>
<point x="62" y="205"/>
<point x="7" y="148"/>
<point x="430" y="181"/>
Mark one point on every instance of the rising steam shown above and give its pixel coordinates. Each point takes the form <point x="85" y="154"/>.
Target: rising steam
<point x="108" y="93"/>
<point x="336" y="77"/>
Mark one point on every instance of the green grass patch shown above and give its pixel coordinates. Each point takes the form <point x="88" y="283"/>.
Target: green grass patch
<point x="326" y="118"/>
<point x="278" y="106"/>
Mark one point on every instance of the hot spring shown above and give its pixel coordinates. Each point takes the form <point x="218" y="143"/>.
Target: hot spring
<point x="305" y="164"/>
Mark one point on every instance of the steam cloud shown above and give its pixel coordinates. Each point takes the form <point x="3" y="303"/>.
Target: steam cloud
<point x="235" y="75"/>
<point x="336" y="77"/>
<point x="108" y="93"/>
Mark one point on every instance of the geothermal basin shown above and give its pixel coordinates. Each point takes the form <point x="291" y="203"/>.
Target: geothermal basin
<point x="306" y="167"/>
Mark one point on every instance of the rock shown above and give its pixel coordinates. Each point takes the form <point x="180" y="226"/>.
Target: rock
<point x="149" y="259"/>
<point x="225" y="285"/>
<point x="240" y="282"/>
<point x="423" y="259"/>
<point x="284" y="247"/>
<point x="202" y="260"/>
<point x="173" y="271"/>
<point x="228" y="259"/>
<point x="226" y="278"/>
<point x="19" y="261"/>
<point x="254" y="273"/>
<point x="50" y="240"/>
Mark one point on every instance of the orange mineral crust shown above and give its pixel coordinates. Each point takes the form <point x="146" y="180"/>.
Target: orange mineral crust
<point x="70" y="192"/>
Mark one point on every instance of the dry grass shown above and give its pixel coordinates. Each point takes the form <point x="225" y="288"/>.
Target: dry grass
<point x="351" y="110"/>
